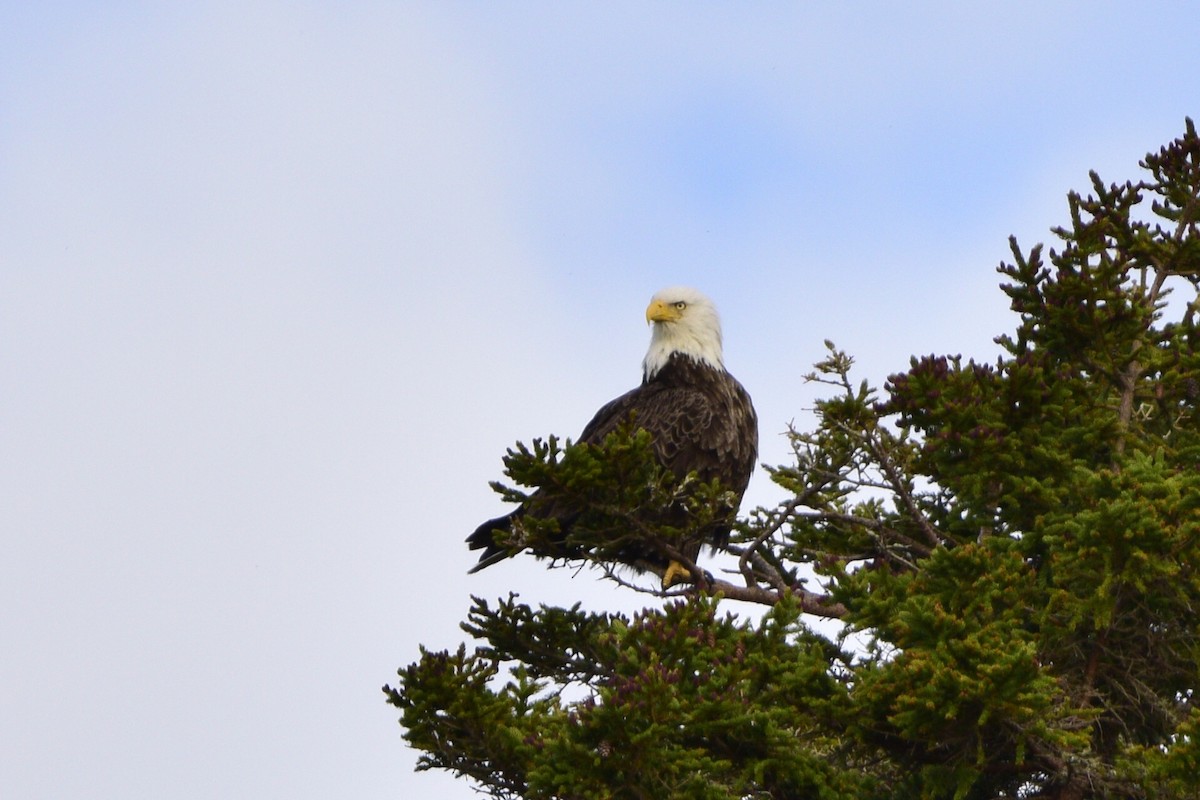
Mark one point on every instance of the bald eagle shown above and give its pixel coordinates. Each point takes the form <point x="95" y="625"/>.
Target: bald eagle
<point x="699" y="417"/>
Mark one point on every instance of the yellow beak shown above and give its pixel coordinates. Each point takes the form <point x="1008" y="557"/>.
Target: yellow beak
<point x="658" y="311"/>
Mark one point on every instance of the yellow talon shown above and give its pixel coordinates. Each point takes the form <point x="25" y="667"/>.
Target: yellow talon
<point x="675" y="572"/>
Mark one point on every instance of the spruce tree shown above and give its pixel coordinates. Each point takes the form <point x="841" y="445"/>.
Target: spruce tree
<point x="1011" y="550"/>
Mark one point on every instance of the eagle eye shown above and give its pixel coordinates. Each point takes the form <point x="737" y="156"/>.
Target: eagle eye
<point x="681" y="305"/>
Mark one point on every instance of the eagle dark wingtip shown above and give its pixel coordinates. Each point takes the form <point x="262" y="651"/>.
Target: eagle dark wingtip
<point x="483" y="538"/>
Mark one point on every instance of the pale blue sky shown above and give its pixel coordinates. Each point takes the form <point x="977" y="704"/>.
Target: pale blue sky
<point x="280" y="282"/>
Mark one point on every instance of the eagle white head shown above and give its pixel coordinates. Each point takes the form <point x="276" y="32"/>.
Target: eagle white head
<point x="685" y="321"/>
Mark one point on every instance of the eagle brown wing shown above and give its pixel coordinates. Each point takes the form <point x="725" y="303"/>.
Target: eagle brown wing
<point x="700" y="418"/>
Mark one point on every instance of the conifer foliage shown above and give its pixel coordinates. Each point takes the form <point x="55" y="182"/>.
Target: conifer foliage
<point x="1011" y="549"/>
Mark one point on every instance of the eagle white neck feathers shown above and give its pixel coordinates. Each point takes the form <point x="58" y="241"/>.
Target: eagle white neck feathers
<point x="685" y="322"/>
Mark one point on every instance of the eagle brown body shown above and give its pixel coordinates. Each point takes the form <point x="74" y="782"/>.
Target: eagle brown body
<point x="699" y="417"/>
